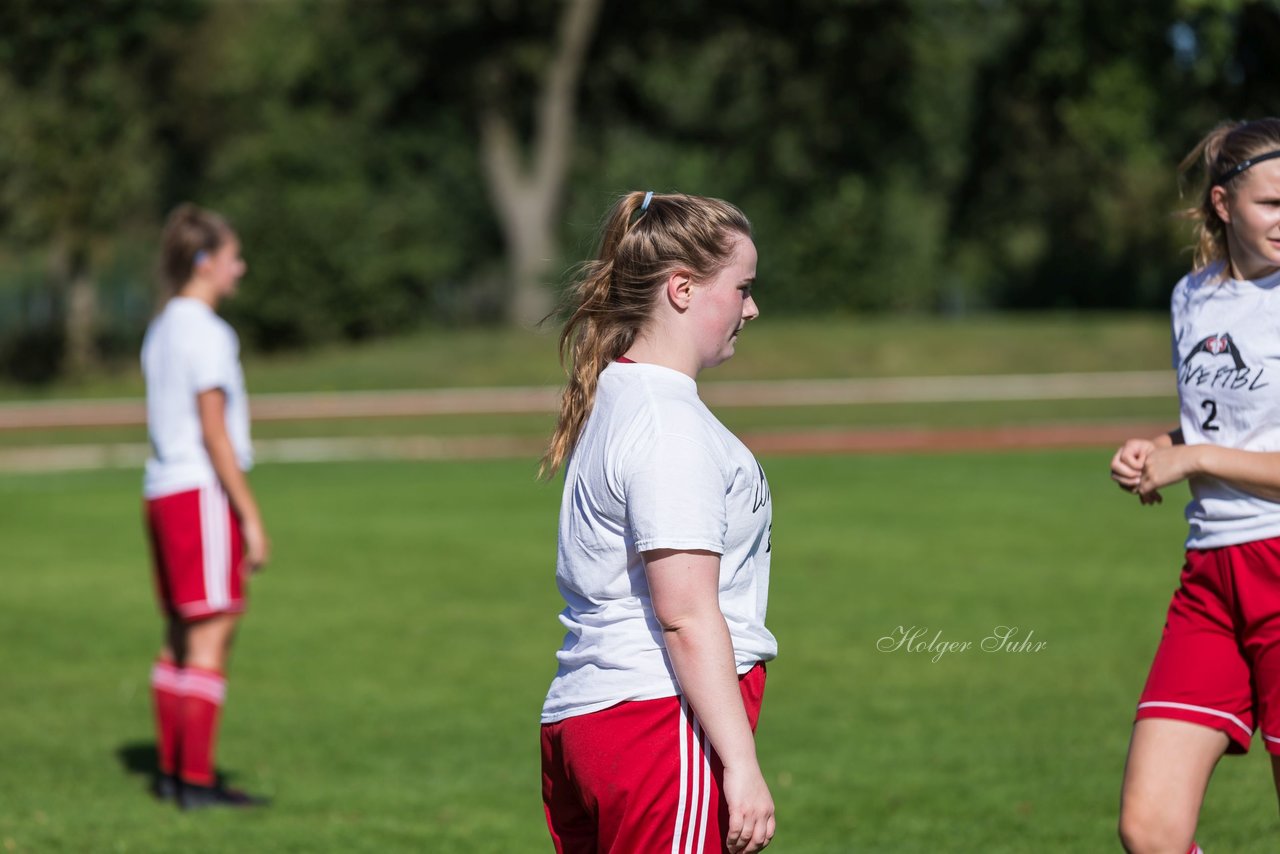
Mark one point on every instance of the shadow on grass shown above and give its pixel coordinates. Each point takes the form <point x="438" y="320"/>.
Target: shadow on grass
<point x="139" y="758"/>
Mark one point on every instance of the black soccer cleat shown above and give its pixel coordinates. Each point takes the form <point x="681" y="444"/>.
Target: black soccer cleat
<point x="192" y="797"/>
<point x="165" y="787"/>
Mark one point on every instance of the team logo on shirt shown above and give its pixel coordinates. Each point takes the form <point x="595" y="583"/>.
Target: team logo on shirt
<point x="1214" y="373"/>
<point x="1216" y="345"/>
<point x="762" y="496"/>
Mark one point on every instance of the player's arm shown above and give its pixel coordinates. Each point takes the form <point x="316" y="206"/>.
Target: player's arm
<point x="1256" y="472"/>
<point x="684" y="591"/>
<point x="213" y="427"/>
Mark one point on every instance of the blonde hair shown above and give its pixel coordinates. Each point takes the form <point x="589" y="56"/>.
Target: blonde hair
<point x="1219" y="154"/>
<point x="188" y="231"/>
<point x="614" y="294"/>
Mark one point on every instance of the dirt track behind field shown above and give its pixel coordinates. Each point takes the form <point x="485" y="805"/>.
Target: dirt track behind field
<point x="34" y="416"/>
<point x="782" y="443"/>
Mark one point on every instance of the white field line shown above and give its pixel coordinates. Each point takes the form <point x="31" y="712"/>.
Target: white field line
<point x="41" y="415"/>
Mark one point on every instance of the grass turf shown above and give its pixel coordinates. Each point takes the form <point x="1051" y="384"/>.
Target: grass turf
<point x="781" y="348"/>
<point x="386" y="684"/>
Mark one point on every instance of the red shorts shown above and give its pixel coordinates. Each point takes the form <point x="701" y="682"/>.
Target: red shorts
<point x="638" y="776"/>
<point x="1219" y="658"/>
<point x="198" y="553"/>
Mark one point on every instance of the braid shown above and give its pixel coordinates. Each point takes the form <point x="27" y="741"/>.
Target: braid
<point x="594" y="335"/>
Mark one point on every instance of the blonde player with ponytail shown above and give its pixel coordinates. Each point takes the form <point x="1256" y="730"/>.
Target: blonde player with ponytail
<point x="664" y="547"/>
<point x="1216" y="675"/>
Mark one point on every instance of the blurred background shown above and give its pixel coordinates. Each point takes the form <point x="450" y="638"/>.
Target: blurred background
<point x="394" y="166"/>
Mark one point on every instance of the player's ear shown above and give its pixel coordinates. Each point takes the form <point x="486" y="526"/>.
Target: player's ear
<point x="679" y="289"/>
<point x="1218" y="199"/>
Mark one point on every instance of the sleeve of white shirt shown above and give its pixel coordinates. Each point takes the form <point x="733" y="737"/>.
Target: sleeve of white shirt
<point x="676" y="496"/>
<point x="212" y="360"/>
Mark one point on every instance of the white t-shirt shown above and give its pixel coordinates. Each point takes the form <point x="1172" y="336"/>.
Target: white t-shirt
<point x="1226" y="351"/>
<point x="652" y="469"/>
<point x="188" y="349"/>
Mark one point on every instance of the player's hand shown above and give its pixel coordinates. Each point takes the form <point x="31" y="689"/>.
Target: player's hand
<point x="1126" y="465"/>
<point x="1164" y="467"/>
<point x="257" y="548"/>
<point x="751" y="823"/>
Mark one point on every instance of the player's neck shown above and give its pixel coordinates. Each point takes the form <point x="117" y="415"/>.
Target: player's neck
<point x="655" y="346"/>
<point x="199" y="289"/>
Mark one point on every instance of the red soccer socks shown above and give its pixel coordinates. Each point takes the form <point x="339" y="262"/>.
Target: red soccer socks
<point x="203" y="692"/>
<point x="166" y="699"/>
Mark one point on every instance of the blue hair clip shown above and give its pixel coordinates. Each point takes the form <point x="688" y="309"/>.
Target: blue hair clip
<point x="200" y="257"/>
<point x="648" y="197"/>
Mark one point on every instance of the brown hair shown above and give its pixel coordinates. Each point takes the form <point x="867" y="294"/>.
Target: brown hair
<point x="614" y="294"/>
<point x="188" y="231"/>
<point x="1220" y="153"/>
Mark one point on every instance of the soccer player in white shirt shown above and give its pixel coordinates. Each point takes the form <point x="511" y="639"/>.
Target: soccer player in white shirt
<point x="1216" y="674"/>
<point x="664" y="548"/>
<point x="205" y="528"/>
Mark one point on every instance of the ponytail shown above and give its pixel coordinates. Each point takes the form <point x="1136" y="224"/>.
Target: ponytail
<point x="188" y="231"/>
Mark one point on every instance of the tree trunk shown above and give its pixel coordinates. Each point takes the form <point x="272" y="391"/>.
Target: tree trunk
<point x="528" y="198"/>
<point x="74" y="280"/>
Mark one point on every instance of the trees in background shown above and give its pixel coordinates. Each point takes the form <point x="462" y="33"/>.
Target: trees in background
<point x="359" y="198"/>
<point x="833" y="124"/>
<point x="1077" y="124"/>
<point x="84" y="101"/>
<point x="527" y="182"/>
<point x="394" y="163"/>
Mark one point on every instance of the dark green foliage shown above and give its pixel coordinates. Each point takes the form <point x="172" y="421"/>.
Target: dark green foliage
<point x="359" y="210"/>
<point x="82" y="159"/>
<point x="32" y="355"/>
<point x="906" y="155"/>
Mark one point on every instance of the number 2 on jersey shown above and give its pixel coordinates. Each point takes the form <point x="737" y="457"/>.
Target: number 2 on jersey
<point x="1209" y="426"/>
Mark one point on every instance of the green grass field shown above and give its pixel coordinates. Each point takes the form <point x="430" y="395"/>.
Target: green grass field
<point x="771" y="348"/>
<point x="387" y="681"/>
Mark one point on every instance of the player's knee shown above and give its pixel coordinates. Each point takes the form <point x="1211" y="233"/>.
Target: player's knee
<point x="1149" y="831"/>
<point x="208" y="641"/>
